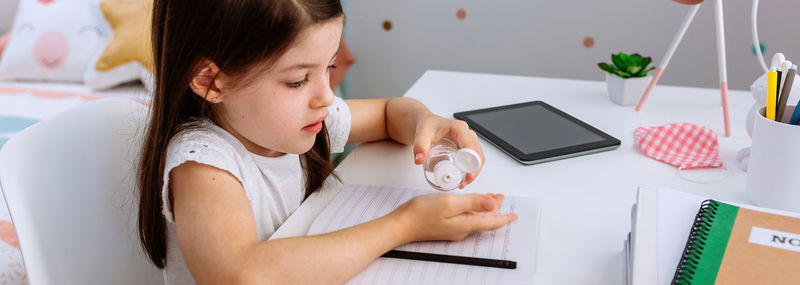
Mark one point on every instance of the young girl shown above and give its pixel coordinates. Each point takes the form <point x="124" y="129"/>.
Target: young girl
<point x="242" y="126"/>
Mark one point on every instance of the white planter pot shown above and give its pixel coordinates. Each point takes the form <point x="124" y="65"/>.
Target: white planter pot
<point x="626" y="91"/>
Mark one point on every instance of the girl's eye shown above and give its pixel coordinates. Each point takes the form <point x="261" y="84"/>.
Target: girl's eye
<point x="332" y="66"/>
<point x="298" y="84"/>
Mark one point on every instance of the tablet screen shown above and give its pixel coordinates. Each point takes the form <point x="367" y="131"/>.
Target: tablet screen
<point x="535" y="132"/>
<point x="534" y="128"/>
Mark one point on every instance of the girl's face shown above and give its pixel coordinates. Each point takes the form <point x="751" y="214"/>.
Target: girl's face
<point x="281" y="110"/>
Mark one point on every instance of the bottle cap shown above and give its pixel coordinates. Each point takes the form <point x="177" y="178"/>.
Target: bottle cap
<point x="448" y="176"/>
<point x="468" y="160"/>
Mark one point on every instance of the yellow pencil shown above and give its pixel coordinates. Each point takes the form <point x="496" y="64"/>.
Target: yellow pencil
<point x="772" y="93"/>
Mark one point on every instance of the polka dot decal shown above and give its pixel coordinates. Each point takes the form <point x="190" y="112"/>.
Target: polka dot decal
<point x="461" y="14"/>
<point x="760" y="45"/>
<point x="588" y="42"/>
<point x="387" y="25"/>
<point x="689" y="2"/>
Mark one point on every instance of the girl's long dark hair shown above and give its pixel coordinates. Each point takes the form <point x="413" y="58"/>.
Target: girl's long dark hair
<point x="238" y="36"/>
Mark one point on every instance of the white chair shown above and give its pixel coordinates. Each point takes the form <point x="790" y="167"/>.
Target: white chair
<point x="68" y="182"/>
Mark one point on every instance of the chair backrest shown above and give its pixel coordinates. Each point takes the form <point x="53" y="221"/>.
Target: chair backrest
<point x="69" y="185"/>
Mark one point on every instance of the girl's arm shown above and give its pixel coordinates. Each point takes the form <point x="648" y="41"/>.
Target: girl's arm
<point x="408" y="121"/>
<point x="217" y="233"/>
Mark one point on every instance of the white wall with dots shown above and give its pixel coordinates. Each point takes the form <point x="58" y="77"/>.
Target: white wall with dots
<point x="394" y="42"/>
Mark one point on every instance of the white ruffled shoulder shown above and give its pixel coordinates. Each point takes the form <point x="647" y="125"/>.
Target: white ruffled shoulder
<point x="203" y="144"/>
<point x="338" y="123"/>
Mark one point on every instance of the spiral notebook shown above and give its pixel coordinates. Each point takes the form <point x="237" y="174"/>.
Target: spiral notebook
<point x="728" y="244"/>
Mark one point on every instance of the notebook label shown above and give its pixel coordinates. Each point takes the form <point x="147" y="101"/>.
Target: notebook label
<point x="775" y="238"/>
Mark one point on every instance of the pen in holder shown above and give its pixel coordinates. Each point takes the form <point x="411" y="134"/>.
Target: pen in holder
<point x="774" y="163"/>
<point x="759" y="92"/>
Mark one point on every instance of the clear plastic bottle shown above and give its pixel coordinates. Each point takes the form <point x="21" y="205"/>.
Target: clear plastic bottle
<point x="447" y="165"/>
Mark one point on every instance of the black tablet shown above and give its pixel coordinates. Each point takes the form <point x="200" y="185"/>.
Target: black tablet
<point x="535" y="132"/>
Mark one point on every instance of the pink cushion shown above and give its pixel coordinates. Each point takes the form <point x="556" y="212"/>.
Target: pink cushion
<point x="3" y="43"/>
<point x="343" y="61"/>
<point x="8" y="234"/>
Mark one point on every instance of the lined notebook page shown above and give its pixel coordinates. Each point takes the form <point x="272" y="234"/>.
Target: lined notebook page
<point x="517" y="241"/>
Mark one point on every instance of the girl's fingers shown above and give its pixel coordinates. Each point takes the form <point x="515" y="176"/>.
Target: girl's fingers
<point x="466" y="203"/>
<point x="422" y="143"/>
<point x="460" y="204"/>
<point x="466" y="138"/>
<point x="426" y="134"/>
<point x="485" y="221"/>
<point x="498" y="200"/>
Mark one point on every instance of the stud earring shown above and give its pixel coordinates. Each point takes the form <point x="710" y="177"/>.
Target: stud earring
<point x="214" y="100"/>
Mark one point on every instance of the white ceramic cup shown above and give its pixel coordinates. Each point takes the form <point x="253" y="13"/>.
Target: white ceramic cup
<point x="772" y="172"/>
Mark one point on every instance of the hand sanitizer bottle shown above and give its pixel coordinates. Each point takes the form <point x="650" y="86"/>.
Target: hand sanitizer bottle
<point x="447" y="166"/>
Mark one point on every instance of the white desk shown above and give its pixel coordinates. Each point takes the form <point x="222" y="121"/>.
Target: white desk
<point x="586" y="200"/>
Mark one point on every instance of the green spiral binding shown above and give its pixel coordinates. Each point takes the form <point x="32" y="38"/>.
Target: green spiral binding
<point x="696" y="242"/>
<point x="706" y="244"/>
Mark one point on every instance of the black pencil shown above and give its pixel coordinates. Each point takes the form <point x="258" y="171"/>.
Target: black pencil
<point x="778" y="93"/>
<point x="507" y="264"/>
<point x="785" y="92"/>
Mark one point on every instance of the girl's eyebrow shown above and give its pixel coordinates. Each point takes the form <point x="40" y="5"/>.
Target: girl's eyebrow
<point x="306" y="65"/>
<point x="299" y="66"/>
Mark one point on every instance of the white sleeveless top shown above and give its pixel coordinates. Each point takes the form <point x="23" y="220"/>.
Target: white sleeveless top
<point x="274" y="185"/>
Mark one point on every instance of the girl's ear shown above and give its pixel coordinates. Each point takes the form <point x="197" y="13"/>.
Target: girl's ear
<point x="206" y="81"/>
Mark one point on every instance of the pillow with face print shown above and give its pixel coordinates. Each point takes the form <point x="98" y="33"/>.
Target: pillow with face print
<point x="127" y="55"/>
<point x="53" y="40"/>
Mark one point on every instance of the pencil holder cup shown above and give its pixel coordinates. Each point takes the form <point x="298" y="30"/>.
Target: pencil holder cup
<point x="772" y="171"/>
<point x="759" y="91"/>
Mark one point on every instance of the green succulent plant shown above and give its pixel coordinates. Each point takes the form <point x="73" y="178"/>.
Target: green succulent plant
<point x="627" y="66"/>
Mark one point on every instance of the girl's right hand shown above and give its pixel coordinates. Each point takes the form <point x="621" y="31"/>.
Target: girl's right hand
<point x="450" y="216"/>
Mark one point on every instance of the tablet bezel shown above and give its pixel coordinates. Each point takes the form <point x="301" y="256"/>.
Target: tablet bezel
<point x="607" y="143"/>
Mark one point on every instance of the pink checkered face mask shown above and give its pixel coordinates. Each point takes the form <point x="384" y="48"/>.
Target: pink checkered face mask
<point x="683" y="145"/>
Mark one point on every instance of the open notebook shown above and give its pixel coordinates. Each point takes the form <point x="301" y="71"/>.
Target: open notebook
<point x="516" y="242"/>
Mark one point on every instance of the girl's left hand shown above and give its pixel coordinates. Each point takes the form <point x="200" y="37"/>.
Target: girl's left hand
<point x="431" y="128"/>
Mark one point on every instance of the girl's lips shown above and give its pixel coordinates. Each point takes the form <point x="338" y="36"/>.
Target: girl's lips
<point x="313" y="128"/>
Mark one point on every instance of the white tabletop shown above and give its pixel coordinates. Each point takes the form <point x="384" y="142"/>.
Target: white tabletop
<point x="586" y="200"/>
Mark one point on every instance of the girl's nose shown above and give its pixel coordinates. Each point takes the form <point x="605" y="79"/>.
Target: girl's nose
<point x="323" y="96"/>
